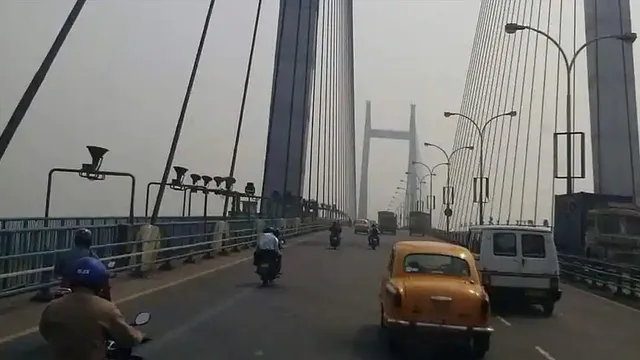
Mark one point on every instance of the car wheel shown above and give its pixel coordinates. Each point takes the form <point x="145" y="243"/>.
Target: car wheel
<point x="480" y="346"/>
<point x="548" y="307"/>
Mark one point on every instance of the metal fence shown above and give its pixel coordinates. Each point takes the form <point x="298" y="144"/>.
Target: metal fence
<point x="60" y="222"/>
<point x="27" y="256"/>
<point x="616" y="280"/>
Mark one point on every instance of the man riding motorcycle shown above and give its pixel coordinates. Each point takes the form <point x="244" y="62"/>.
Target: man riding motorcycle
<point x="268" y="249"/>
<point x="77" y="325"/>
<point x="336" y="228"/>
<point x="374" y="232"/>
<point x="82" y="241"/>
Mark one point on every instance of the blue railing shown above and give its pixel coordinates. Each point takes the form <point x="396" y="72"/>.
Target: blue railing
<point x="27" y="255"/>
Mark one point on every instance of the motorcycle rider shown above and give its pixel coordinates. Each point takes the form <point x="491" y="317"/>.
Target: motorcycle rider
<point x="82" y="241"/>
<point x="374" y="232"/>
<point x="336" y="228"/>
<point x="268" y="248"/>
<point x="77" y="325"/>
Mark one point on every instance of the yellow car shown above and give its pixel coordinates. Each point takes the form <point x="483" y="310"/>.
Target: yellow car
<point x="361" y="226"/>
<point x="433" y="290"/>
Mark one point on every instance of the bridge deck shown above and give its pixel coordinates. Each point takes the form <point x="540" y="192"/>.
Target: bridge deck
<point x="324" y="307"/>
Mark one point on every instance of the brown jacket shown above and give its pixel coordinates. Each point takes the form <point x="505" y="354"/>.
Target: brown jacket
<point x="77" y="325"/>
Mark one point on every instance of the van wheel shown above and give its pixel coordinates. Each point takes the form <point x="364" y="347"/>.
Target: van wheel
<point x="480" y="346"/>
<point x="547" y="308"/>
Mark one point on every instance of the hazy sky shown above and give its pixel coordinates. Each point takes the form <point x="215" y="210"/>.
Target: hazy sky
<point x="120" y="79"/>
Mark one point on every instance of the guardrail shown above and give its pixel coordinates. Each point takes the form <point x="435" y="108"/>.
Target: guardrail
<point x="619" y="281"/>
<point x="39" y="222"/>
<point x="27" y="256"/>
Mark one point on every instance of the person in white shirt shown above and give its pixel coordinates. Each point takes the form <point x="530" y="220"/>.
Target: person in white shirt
<point x="268" y="247"/>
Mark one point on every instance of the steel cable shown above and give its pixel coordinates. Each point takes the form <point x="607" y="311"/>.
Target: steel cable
<point x="511" y="106"/>
<point x="472" y="64"/>
<point x="468" y="96"/>
<point x="529" y="122"/>
<point x="524" y="58"/>
<point x="494" y="157"/>
<point x="243" y="102"/>
<point x="470" y="161"/>
<point x="181" y="117"/>
<point x="321" y="102"/>
<point x="542" y="112"/>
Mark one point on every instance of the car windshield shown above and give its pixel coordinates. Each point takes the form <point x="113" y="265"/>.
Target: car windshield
<point x="436" y="264"/>
<point x="361" y="222"/>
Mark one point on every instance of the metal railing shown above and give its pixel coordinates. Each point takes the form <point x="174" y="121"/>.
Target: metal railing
<point x="621" y="281"/>
<point x="27" y="256"/>
<point x="59" y="222"/>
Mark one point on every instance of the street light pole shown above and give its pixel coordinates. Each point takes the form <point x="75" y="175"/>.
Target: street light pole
<point x="430" y="173"/>
<point x="447" y="201"/>
<point x="512" y="28"/>
<point x="481" y="162"/>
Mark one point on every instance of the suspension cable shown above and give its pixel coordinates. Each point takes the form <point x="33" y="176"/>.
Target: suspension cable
<point x="243" y="102"/>
<point x="470" y="72"/>
<point x="469" y="164"/>
<point x="183" y="112"/>
<point x="520" y="102"/>
<point x="38" y="78"/>
<point x="470" y="84"/>
<point x="494" y="156"/>
<point x="322" y="96"/>
<point x="529" y="120"/>
<point x="542" y="112"/>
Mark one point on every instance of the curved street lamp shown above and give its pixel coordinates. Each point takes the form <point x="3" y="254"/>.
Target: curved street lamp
<point x="481" y="131"/>
<point x="630" y="37"/>
<point x="448" y="194"/>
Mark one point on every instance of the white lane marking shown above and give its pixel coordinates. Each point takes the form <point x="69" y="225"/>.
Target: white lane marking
<point x="34" y="329"/>
<point x="195" y="321"/>
<point x="620" y="305"/>
<point x="544" y="353"/>
<point x="503" y="320"/>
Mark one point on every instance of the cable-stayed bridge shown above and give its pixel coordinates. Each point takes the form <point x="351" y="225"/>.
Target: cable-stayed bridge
<point x="521" y="155"/>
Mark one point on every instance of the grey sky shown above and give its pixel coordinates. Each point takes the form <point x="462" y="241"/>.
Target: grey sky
<point x="120" y="78"/>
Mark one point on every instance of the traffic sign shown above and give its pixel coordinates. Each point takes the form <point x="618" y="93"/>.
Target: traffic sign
<point x="448" y="212"/>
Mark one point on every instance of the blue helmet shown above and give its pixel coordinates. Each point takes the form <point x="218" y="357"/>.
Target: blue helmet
<point x="89" y="272"/>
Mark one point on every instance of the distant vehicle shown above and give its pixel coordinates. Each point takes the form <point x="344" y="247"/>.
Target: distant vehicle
<point x="518" y="264"/>
<point x="419" y="223"/>
<point x="433" y="288"/>
<point x="387" y="222"/>
<point x="613" y="234"/>
<point x="361" y="226"/>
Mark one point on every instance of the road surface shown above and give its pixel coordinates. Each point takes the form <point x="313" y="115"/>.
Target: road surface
<point x="325" y="308"/>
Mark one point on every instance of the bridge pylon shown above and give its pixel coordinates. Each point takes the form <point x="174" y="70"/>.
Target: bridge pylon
<point x="410" y="135"/>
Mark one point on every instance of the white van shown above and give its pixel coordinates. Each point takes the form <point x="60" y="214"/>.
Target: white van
<point x="518" y="263"/>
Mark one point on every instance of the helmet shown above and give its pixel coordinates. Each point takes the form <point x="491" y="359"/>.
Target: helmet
<point x="269" y="229"/>
<point x="83" y="237"/>
<point x="89" y="272"/>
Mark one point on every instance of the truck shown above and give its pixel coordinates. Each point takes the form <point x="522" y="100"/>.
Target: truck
<point x="419" y="223"/>
<point x="387" y="222"/>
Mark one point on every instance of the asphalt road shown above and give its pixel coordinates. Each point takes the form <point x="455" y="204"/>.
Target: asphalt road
<point x="325" y="307"/>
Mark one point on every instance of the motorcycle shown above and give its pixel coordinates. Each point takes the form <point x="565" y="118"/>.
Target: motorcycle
<point x="116" y="353"/>
<point x="267" y="271"/>
<point x="334" y="241"/>
<point x="374" y="241"/>
<point x="62" y="290"/>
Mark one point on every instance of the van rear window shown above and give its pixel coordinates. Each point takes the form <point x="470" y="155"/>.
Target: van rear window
<point x="533" y="246"/>
<point x="504" y="244"/>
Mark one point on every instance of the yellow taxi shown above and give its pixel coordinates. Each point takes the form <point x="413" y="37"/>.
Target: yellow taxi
<point x="433" y="290"/>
